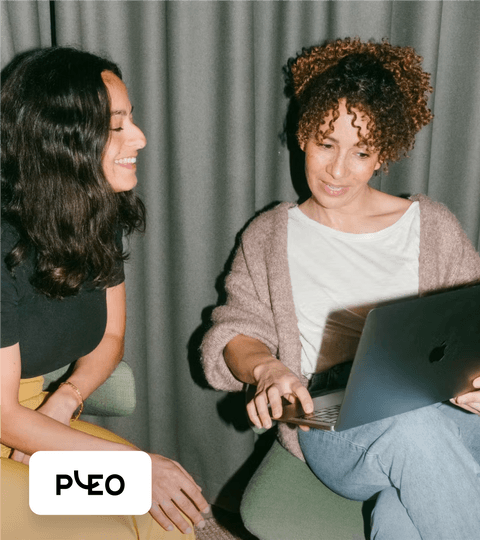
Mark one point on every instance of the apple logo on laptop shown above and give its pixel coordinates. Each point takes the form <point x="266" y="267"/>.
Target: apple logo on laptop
<point x="437" y="353"/>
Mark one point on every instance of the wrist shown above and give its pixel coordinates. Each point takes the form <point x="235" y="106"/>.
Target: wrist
<point x="71" y="398"/>
<point x="264" y="365"/>
<point x="67" y="397"/>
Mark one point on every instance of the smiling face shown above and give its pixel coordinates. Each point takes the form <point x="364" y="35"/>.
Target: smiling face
<point x="120" y="153"/>
<point x="339" y="167"/>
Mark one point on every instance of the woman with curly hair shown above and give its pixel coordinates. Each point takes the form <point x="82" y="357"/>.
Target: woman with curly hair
<point x="305" y="276"/>
<point x="69" y="148"/>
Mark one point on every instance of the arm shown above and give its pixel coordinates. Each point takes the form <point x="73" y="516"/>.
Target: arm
<point x="47" y="428"/>
<point x="247" y="312"/>
<point x="467" y="270"/>
<point x="29" y="431"/>
<point x="251" y="361"/>
<point x="447" y="259"/>
<point x="242" y="344"/>
<point x="92" y="370"/>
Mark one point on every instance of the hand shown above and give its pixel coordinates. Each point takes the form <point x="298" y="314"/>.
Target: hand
<point x="274" y="381"/>
<point x="471" y="400"/>
<point x="20" y="457"/>
<point x="173" y="489"/>
<point x="60" y="406"/>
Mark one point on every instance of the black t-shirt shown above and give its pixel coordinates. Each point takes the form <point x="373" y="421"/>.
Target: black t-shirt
<point x="51" y="333"/>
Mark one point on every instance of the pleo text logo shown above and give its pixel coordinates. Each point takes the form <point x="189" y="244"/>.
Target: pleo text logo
<point x="90" y="483"/>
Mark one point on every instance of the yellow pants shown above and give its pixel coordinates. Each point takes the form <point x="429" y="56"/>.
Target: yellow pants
<point x="18" y="522"/>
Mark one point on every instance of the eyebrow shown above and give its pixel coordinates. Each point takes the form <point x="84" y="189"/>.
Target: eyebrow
<point x="360" y="144"/>
<point x="121" y="112"/>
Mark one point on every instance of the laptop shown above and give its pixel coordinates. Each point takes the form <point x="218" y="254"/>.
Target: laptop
<point x="412" y="353"/>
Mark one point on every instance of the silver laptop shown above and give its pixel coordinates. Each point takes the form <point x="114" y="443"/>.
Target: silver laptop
<point x="412" y="353"/>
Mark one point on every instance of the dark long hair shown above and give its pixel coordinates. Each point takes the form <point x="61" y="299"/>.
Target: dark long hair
<point x="55" y="124"/>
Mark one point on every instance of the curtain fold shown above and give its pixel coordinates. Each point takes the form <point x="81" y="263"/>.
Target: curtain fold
<point x="206" y="81"/>
<point x="24" y="25"/>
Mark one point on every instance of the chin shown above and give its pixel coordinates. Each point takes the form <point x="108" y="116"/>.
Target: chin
<point x="120" y="187"/>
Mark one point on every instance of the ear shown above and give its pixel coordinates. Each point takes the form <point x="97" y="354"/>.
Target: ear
<point x="378" y="165"/>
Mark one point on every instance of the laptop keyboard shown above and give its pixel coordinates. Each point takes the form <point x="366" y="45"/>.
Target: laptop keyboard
<point x="328" y="414"/>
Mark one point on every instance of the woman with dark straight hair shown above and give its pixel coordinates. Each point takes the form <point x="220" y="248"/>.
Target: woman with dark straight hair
<point x="69" y="147"/>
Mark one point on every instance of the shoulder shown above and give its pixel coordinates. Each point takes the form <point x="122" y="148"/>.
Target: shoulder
<point x="436" y="217"/>
<point x="267" y="222"/>
<point x="391" y="204"/>
<point x="432" y="208"/>
<point x="447" y="256"/>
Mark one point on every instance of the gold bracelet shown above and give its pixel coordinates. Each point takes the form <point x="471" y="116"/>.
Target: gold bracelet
<point x="77" y="391"/>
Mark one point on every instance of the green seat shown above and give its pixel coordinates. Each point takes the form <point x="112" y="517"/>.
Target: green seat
<point x="116" y="396"/>
<point x="284" y="500"/>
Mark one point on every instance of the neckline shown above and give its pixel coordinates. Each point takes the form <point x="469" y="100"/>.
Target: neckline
<point x="357" y="236"/>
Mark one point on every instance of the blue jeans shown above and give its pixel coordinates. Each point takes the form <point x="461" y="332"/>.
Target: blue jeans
<point x="423" y="465"/>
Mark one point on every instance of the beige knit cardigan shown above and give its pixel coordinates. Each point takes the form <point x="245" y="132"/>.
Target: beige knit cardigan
<point x="260" y="301"/>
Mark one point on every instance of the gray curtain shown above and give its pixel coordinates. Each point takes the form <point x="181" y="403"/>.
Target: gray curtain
<point x="206" y="81"/>
<point x="25" y="25"/>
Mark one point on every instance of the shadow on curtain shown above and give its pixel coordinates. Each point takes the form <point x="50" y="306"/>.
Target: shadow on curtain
<point x="206" y="81"/>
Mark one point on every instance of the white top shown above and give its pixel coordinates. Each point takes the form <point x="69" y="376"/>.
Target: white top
<point x="337" y="277"/>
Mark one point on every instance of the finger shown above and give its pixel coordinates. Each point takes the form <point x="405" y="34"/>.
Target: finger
<point x="252" y="414"/>
<point x="291" y="398"/>
<point x="472" y="407"/>
<point x="275" y="401"/>
<point x="189" y="509"/>
<point x="475" y="407"/>
<point x="195" y="495"/>
<point x="262" y="410"/>
<point x="305" y="399"/>
<point x="470" y="397"/>
<point x="18" y="456"/>
<point x="304" y="428"/>
<point x="159" y="516"/>
<point x="174" y="515"/>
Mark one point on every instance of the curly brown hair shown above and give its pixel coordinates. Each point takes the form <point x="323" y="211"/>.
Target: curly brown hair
<point x="385" y="82"/>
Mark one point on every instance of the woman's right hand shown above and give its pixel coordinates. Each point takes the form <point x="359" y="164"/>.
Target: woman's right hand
<point x="274" y="381"/>
<point x="174" y="491"/>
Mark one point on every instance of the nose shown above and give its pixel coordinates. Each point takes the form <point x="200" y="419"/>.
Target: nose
<point x="136" y="138"/>
<point x="337" y="167"/>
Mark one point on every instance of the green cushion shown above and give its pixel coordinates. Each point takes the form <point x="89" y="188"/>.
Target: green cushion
<point x="116" y="396"/>
<point x="284" y="500"/>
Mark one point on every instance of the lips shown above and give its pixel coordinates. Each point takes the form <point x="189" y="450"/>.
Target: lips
<point x="335" y="191"/>
<point x="127" y="163"/>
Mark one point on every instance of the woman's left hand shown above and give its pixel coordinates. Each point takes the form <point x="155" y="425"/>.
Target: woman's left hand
<point x="471" y="400"/>
<point x="60" y="406"/>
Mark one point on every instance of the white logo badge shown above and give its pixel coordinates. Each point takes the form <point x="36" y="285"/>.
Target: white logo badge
<point x="90" y="483"/>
